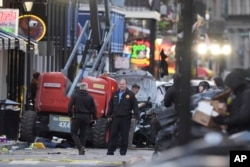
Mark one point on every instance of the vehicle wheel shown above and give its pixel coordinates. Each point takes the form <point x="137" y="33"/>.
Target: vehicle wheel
<point x="101" y="133"/>
<point x="27" y="126"/>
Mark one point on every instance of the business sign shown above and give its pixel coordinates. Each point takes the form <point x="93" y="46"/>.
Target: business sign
<point x="140" y="53"/>
<point x="37" y="27"/>
<point x="9" y="20"/>
<point x="121" y="60"/>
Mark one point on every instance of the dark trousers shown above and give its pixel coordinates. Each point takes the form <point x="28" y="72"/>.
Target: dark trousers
<point x="119" y="126"/>
<point x="79" y="126"/>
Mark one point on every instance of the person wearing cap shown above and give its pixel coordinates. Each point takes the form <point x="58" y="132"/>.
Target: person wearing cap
<point x="82" y="111"/>
<point x="238" y="118"/>
<point x="135" y="89"/>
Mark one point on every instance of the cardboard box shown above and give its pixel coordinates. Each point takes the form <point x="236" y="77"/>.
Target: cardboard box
<point x="203" y="119"/>
<point x="203" y="114"/>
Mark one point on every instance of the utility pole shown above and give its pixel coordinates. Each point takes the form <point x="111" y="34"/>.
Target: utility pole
<point x="184" y="57"/>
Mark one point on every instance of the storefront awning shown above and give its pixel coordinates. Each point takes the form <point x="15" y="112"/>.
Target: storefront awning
<point x="10" y="41"/>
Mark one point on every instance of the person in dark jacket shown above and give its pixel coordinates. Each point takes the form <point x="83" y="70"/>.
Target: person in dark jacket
<point x="82" y="110"/>
<point x="121" y="105"/>
<point x="219" y="83"/>
<point x="239" y="109"/>
<point x="170" y="98"/>
<point x="135" y="89"/>
<point x="33" y="87"/>
<point x="164" y="63"/>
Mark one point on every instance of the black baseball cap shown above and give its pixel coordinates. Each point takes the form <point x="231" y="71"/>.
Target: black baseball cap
<point x="136" y="86"/>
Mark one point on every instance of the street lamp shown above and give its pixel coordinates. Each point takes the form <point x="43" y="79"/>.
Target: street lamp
<point x="226" y="49"/>
<point x="202" y="48"/>
<point x="27" y="8"/>
<point x="217" y="49"/>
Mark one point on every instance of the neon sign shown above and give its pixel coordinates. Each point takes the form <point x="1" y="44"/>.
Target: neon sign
<point x="137" y="49"/>
<point x="37" y="32"/>
<point x="140" y="53"/>
<point x="7" y="29"/>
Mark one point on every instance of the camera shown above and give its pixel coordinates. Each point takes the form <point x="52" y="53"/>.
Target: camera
<point x="33" y="23"/>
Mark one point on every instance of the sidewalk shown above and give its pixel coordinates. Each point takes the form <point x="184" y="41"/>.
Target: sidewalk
<point x="93" y="155"/>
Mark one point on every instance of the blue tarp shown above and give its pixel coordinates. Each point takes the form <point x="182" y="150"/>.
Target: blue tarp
<point x="118" y="34"/>
<point x="117" y="19"/>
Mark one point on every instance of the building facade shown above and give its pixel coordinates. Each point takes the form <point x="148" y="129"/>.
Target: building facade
<point x="60" y="17"/>
<point x="229" y="20"/>
<point x="237" y="16"/>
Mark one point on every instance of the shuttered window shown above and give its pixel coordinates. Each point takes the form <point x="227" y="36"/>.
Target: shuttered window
<point x="238" y="7"/>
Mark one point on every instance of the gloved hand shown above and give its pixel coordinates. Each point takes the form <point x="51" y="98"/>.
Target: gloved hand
<point x="219" y="120"/>
<point x="109" y="119"/>
<point x="141" y="105"/>
<point x="93" y="122"/>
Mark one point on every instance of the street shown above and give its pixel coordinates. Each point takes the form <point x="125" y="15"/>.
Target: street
<point x="69" y="157"/>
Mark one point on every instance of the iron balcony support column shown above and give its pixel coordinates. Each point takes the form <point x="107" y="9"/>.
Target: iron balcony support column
<point x="28" y="80"/>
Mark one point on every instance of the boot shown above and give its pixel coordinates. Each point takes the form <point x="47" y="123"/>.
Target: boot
<point x="82" y="151"/>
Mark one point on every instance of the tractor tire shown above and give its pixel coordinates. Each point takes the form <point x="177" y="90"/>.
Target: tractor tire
<point x="27" y="126"/>
<point x="101" y="133"/>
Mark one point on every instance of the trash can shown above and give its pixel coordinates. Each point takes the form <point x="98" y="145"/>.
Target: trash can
<point x="9" y="119"/>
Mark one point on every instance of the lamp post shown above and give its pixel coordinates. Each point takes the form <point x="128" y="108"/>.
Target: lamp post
<point x="28" y="7"/>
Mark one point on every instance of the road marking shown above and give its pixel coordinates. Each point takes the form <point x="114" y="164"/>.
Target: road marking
<point x="84" y="162"/>
<point x="24" y="162"/>
<point x="73" y="162"/>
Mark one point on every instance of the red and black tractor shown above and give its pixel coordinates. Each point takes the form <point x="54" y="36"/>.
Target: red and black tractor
<point x="51" y="117"/>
